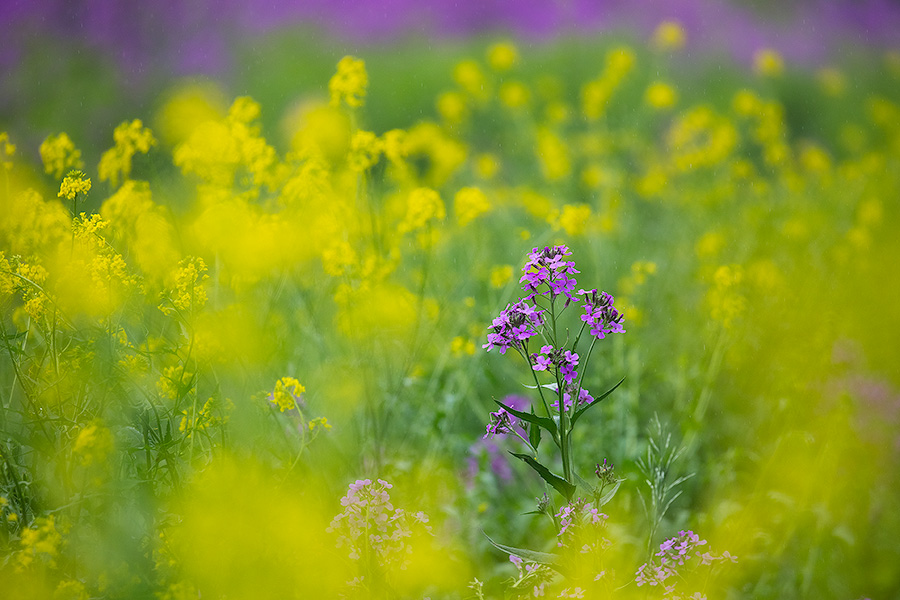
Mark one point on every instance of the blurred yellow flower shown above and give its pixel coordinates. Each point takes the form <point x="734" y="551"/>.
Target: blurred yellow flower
<point x="468" y="204"/>
<point x="669" y="35"/>
<point x="502" y="56"/>
<point x="768" y="62"/>
<point x="660" y="95"/>
<point x="500" y="276"/>
<point x="349" y="83"/>
<point x="59" y="155"/>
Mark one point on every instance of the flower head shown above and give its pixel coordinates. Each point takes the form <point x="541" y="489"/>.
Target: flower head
<point x="548" y="267"/>
<point x="600" y="314"/>
<point x="513" y="326"/>
<point x="75" y="183"/>
<point x="349" y="83"/>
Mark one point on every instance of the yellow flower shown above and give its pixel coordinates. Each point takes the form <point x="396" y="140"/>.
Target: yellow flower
<point x="452" y="107"/>
<point x="423" y="205"/>
<point x="286" y="394"/>
<point x="501" y="275"/>
<point x="75" y="183"/>
<point x="188" y="293"/>
<point x="486" y="166"/>
<point x="660" y="95"/>
<point x="461" y="346"/>
<point x="574" y="218"/>
<point x="468" y="204"/>
<point x="832" y="81"/>
<point x="93" y="444"/>
<point x="349" y="83"/>
<point x="502" y="56"/>
<point x="130" y="138"/>
<point x="338" y="258"/>
<point x="7" y="150"/>
<point x="514" y="94"/>
<point x="42" y="542"/>
<point x="59" y="155"/>
<point x="319" y="423"/>
<point x="768" y="62"/>
<point x="669" y="35"/>
<point x="553" y="155"/>
<point x="469" y="76"/>
<point x="365" y="149"/>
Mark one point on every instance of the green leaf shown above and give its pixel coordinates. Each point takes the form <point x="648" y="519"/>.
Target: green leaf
<point x="596" y="401"/>
<point x="534" y="436"/>
<point x="544" y="422"/>
<point x="609" y="495"/>
<point x="585" y="485"/>
<point x="559" y="484"/>
<point x="544" y="558"/>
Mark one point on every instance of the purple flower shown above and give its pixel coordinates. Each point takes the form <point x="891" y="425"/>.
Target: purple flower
<point x="566" y="361"/>
<point x="548" y="267"/>
<point x="584" y="397"/>
<point x="501" y="422"/>
<point x="600" y="313"/>
<point x="513" y="326"/>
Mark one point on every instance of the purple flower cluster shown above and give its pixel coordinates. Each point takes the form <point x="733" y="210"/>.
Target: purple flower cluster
<point x="549" y="267"/>
<point x="584" y="397"/>
<point x="579" y="522"/>
<point x="370" y="525"/>
<point x="513" y="326"/>
<point x="600" y="313"/>
<point x="565" y="360"/>
<point x="502" y="422"/>
<point x="673" y="555"/>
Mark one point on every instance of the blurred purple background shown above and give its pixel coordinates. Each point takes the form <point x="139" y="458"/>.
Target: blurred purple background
<point x="181" y="37"/>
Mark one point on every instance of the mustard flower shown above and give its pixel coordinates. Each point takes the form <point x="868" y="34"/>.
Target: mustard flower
<point x="423" y="206"/>
<point x="470" y="77"/>
<point x="287" y="394"/>
<point x="42" y="541"/>
<point x="470" y="203"/>
<point x="7" y="150"/>
<point x="500" y="276"/>
<point x="660" y="95"/>
<point x="365" y="149"/>
<point x="349" y="83"/>
<point x="75" y="183"/>
<point x="59" y="154"/>
<point x="130" y="138"/>
<point x="669" y="35"/>
<point x="502" y="56"/>
<point x="768" y="62"/>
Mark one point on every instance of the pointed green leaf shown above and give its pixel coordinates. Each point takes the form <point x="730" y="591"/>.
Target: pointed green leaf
<point x="544" y="422"/>
<point x="544" y="558"/>
<point x="596" y="401"/>
<point x="609" y="494"/>
<point x="534" y="436"/>
<point x="559" y="484"/>
<point x="590" y="490"/>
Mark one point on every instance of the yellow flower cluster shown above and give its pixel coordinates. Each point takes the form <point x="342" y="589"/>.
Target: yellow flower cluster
<point x="93" y="444"/>
<point x="74" y="183"/>
<point x="130" y="138"/>
<point x="669" y="35"/>
<point x="423" y="206"/>
<point x="596" y="94"/>
<point x="286" y="394"/>
<point x="349" y="84"/>
<point x="187" y="294"/>
<point x="40" y="543"/>
<point x="469" y="204"/>
<point x="60" y="155"/>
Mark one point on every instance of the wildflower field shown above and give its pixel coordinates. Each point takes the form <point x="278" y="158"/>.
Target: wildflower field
<point x="587" y="319"/>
